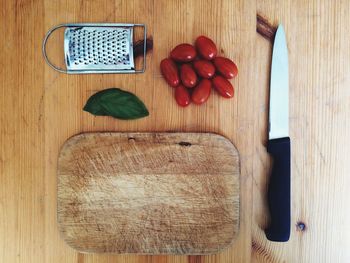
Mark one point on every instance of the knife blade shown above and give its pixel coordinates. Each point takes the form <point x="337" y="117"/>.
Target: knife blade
<point x="279" y="142"/>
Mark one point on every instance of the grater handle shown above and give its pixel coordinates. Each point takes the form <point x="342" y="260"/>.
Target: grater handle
<point x="48" y="34"/>
<point x="142" y="70"/>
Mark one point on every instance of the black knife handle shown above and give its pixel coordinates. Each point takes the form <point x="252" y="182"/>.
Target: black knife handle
<point x="278" y="196"/>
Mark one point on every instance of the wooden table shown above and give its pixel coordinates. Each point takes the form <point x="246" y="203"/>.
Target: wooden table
<point x="41" y="108"/>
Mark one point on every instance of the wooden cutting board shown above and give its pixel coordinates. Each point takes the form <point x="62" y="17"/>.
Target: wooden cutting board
<point x="149" y="193"/>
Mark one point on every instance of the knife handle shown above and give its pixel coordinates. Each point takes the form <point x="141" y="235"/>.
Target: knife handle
<point x="278" y="196"/>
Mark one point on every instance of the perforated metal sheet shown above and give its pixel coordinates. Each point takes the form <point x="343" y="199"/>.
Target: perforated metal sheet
<point x="99" y="48"/>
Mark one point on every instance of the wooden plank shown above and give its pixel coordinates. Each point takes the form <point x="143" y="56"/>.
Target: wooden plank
<point x="69" y="93"/>
<point x="148" y="193"/>
<point x="41" y="109"/>
<point x="318" y="46"/>
<point x="22" y="197"/>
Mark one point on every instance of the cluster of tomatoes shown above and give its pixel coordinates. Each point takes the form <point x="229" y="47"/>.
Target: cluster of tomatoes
<point x="192" y="76"/>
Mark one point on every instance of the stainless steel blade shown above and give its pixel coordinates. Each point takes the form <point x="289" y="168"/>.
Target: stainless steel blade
<point x="279" y="88"/>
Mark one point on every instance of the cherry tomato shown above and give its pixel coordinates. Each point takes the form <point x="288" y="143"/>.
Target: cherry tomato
<point x="183" y="53"/>
<point x="170" y="72"/>
<point x="182" y="96"/>
<point x="188" y="76"/>
<point x="223" y="86"/>
<point x="226" y="67"/>
<point x="206" y="47"/>
<point x="204" y="68"/>
<point x="201" y="93"/>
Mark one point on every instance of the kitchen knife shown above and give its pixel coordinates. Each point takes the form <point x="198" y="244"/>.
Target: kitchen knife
<point x="279" y="143"/>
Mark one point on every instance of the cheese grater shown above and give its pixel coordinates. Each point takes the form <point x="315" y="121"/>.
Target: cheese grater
<point x="98" y="48"/>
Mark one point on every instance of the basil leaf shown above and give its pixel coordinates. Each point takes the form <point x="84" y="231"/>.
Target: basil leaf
<point x="117" y="103"/>
<point x="93" y="106"/>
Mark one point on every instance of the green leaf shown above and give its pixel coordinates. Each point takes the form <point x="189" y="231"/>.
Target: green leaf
<point x="117" y="103"/>
<point x="93" y="106"/>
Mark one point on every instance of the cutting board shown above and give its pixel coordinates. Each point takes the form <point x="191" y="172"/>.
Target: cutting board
<point x="148" y="193"/>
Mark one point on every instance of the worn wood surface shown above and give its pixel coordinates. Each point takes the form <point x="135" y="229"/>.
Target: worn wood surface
<point x="40" y="109"/>
<point x="148" y="193"/>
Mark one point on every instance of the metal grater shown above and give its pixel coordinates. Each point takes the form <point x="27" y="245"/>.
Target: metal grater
<point x="98" y="48"/>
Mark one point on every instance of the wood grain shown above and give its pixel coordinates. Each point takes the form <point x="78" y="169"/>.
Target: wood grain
<point x="148" y="193"/>
<point x="41" y="109"/>
<point x="319" y="47"/>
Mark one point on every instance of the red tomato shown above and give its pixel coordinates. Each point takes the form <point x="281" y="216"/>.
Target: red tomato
<point x="170" y="72"/>
<point x="204" y="68"/>
<point x="226" y="67"/>
<point x="223" y="86"/>
<point x="188" y="76"/>
<point x="206" y="47"/>
<point x="182" y="96"/>
<point x="201" y="93"/>
<point x="183" y="53"/>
